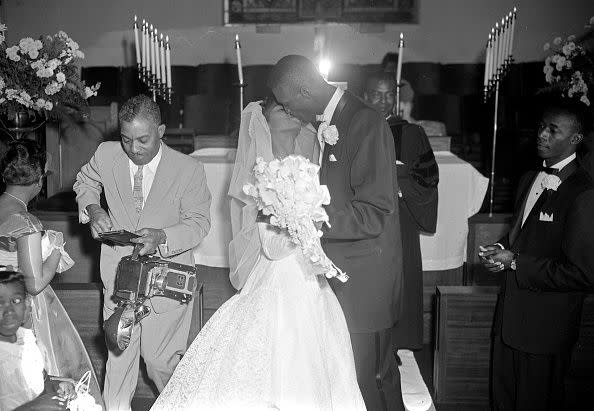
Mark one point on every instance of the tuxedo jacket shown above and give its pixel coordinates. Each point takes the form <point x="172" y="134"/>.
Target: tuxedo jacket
<point x="364" y="237"/>
<point x="178" y="203"/>
<point x="540" y="304"/>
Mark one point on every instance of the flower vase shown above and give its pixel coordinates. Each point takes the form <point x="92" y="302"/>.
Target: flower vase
<point x="23" y="123"/>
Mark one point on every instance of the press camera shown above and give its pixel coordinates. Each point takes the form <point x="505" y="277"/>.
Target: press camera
<point x="146" y="277"/>
<point x="139" y="278"/>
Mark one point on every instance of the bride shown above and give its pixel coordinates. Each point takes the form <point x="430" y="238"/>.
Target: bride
<point x="282" y="342"/>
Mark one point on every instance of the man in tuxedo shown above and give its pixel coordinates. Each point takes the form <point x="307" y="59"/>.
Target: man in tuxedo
<point x="418" y="176"/>
<point x="359" y="168"/>
<point x="548" y="262"/>
<point x="162" y="195"/>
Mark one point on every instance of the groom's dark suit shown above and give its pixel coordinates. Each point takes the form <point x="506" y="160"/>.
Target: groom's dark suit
<point x="538" y="313"/>
<point x="364" y="240"/>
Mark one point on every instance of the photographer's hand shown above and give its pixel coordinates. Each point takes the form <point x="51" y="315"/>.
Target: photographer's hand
<point x="150" y="238"/>
<point x="99" y="220"/>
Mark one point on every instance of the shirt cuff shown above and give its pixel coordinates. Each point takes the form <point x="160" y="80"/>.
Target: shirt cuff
<point x="500" y="245"/>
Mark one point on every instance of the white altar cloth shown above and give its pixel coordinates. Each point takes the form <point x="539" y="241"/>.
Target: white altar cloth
<point x="461" y="192"/>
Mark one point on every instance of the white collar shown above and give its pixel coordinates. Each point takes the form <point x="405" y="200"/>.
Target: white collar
<point x="562" y="163"/>
<point x="331" y="107"/>
<point x="153" y="164"/>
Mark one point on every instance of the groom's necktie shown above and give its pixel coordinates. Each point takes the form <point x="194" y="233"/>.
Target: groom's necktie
<point x="137" y="190"/>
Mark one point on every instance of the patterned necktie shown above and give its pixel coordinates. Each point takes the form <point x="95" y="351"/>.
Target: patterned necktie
<point x="137" y="190"/>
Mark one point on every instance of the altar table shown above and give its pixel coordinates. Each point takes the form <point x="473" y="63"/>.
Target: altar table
<point x="461" y="192"/>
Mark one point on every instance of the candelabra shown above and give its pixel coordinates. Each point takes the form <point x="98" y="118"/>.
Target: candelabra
<point x="153" y="61"/>
<point x="498" y="61"/>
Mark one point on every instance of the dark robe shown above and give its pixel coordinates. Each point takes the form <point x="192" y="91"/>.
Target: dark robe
<point x="417" y="177"/>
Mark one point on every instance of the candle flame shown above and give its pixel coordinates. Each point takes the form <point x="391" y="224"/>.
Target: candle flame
<point x="401" y="36"/>
<point x="161" y="36"/>
<point x="151" y="26"/>
<point x="135" y="18"/>
<point x="515" y="10"/>
<point x="143" y="22"/>
<point x="167" y="39"/>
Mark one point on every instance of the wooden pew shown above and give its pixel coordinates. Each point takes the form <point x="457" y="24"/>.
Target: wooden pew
<point x="463" y="346"/>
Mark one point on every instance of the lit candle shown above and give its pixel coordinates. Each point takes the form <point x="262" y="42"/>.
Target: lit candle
<point x="400" y="53"/>
<point x="162" y="54"/>
<point x="496" y="49"/>
<point x="488" y="55"/>
<point x="493" y="70"/>
<point x="157" y="56"/>
<point x="238" y="53"/>
<point x="152" y="45"/>
<point x="136" y="42"/>
<point x="143" y="43"/>
<point x="513" y="29"/>
<point x="168" y="62"/>
<point x="502" y="44"/>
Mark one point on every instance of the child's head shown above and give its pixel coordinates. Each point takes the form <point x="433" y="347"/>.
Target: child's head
<point x="12" y="304"/>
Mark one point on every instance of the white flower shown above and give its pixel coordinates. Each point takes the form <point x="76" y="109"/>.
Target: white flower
<point x="61" y="77"/>
<point x="53" y="88"/>
<point x="592" y="20"/>
<point x="2" y="84"/>
<point x="2" y="27"/>
<point x="53" y="64"/>
<point x="557" y="41"/>
<point x="2" y="100"/>
<point x="44" y="73"/>
<point x="92" y="91"/>
<point x="584" y="99"/>
<point x="571" y="37"/>
<point x="551" y="182"/>
<point x="560" y="63"/>
<point x="2" y="37"/>
<point x="546" y="46"/>
<point x="13" y="53"/>
<point x="327" y="133"/>
<point x="568" y="48"/>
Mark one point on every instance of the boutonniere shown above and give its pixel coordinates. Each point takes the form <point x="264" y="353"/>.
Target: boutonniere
<point x="551" y="182"/>
<point x="328" y="134"/>
<point x="332" y="158"/>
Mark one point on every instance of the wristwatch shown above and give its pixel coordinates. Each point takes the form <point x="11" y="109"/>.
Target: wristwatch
<point x="512" y="265"/>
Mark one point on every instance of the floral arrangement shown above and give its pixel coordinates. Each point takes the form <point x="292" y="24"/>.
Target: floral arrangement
<point x="41" y="76"/>
<point x="570" y="69"/>
<point x="289" y="192"/>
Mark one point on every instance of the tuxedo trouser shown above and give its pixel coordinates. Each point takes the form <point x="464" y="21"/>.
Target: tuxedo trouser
<point x="161" y="339"/>
<point x="527" y="382"/>
<point x="377" y="370"/>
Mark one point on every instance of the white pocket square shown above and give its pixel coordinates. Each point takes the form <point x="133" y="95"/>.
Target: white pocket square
<point x="546" y="217"/>
<point x="332" y="158"/>
<point x="399" y="163"/>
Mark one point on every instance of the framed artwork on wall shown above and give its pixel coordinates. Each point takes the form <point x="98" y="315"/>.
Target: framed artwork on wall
<point x="307" y="11"/>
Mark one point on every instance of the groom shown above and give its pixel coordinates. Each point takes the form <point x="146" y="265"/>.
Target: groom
<point x="359" y="168"/>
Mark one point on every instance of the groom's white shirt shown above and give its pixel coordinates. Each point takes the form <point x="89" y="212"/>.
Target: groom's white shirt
<point x="327" y="117"/>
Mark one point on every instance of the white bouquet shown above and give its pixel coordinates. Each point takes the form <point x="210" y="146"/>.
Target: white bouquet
<point x="289" y="192"/>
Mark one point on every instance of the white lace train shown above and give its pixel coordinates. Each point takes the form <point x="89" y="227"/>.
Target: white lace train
<point x="282" y="343"/>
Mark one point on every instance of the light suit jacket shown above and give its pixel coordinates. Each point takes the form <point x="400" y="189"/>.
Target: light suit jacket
<point x="178" y="203"/>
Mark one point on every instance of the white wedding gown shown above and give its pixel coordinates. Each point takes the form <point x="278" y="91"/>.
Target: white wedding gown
<point x="280" y="344"/>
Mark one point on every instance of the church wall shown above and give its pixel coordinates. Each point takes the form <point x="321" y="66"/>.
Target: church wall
<point x="452" y="31"/>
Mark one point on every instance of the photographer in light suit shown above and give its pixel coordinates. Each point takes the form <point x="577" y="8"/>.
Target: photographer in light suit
<point x="162" y="195"/>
